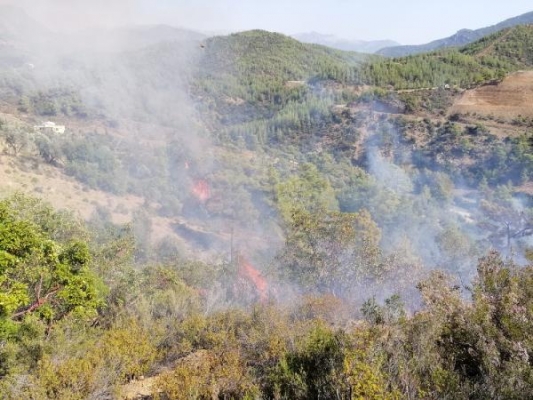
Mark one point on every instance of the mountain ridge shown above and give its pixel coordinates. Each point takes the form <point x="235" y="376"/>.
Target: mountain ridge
<point x="460" y="38"/>
<point x="361" y="46"/>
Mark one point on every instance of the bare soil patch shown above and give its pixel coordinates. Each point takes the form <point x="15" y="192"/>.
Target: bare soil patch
<point x="511" y="98"/>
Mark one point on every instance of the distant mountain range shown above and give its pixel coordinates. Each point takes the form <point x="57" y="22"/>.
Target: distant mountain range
<point x="461" y="38"/>
<point x="360" y="46"/>
<point x="20" y="32"/>
<point x="21" y="37"/>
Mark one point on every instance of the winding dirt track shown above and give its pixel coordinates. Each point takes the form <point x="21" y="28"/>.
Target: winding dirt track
<point x="508" y="99"/>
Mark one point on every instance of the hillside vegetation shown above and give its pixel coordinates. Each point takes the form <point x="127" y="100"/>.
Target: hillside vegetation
<point x="461" y="38"/>
<point x="263" y="67"/>
<point x="79" y="320"/>
<point x="488" y="59"/>
<point x="265" y="219"/>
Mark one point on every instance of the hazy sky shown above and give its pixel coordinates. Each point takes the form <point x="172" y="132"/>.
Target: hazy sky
<point x="407" y="21"/>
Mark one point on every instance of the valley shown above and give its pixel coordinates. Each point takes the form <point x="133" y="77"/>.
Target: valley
<point x="249" y="216"/>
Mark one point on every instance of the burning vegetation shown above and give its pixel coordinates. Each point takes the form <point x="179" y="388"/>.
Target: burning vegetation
<point x="249" y="277"/>
<point x="201" y="191"/>
<point x="376" y="202"/>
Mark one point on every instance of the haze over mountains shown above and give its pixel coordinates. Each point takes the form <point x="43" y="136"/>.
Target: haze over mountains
<point x="19" y="31"/>
<point x="16" y="27"/>
<point x="361" y="46"/>
<point x="462" y="37"/>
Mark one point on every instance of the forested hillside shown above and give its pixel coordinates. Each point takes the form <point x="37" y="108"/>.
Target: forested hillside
<point x="263" y="67"/>
<point x="252" y="217"/>
<point x="461" y="38"/>
<point x="490" y="58"/>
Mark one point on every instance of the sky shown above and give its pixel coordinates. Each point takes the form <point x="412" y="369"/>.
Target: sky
<point x="407" y="21"/>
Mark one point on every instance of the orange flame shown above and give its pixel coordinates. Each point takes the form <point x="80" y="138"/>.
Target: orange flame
<point x="248" y="273"/>
<point x="201" y="190"/>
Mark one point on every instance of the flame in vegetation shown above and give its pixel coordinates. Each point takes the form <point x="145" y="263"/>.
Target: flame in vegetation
<point x="249" y="274"/>
<point x="201" y="190"/>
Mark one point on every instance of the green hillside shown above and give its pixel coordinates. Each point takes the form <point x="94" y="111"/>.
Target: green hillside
<point x="265" y="219"/>
<point x="461" y="38"/>
<point x="256" y="66"/>
<point x="490" y="58"/>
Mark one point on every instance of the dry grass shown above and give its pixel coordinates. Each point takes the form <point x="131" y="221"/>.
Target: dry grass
<point x="61" y="191"/>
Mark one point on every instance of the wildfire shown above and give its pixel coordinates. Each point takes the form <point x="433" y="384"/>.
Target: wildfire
<point x="249" y="274"/>
<point x="201" y="190"/>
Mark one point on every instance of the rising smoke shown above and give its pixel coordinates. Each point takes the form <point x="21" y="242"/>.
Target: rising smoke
<point x="137" y="80"/>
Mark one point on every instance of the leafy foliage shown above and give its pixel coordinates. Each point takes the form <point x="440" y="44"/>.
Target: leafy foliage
<point x="40" y="275"/>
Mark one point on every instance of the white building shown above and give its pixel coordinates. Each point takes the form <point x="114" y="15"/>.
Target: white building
<point x="50" y="127"/>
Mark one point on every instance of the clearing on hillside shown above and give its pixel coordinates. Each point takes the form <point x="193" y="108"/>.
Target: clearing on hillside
<point x="510" y="98"/>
